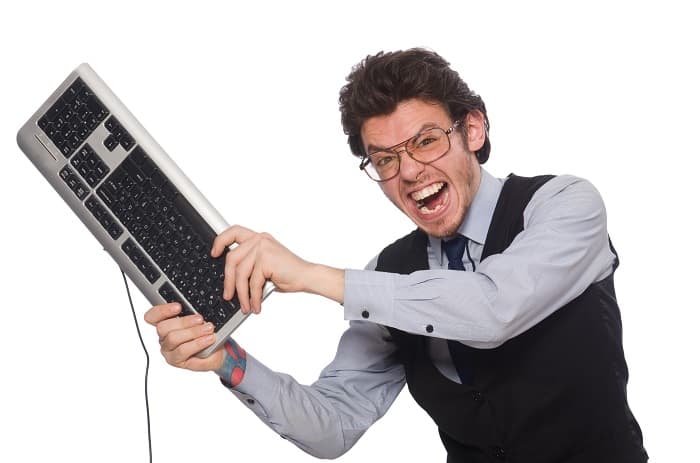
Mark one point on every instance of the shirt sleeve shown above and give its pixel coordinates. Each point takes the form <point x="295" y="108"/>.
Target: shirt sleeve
<point x="561" y="251"/>
<point x="326" y="418"/>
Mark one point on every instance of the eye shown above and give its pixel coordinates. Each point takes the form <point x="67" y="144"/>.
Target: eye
<point x="382" y="160"/>
<point x="425" y="140"/>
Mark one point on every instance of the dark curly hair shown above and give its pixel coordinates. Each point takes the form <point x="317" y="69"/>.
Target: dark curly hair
<point x="379" y="83"/>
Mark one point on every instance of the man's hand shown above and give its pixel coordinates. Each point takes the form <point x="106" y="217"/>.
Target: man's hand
<point x="181" y="338"/>
<point x="258" y="258"/>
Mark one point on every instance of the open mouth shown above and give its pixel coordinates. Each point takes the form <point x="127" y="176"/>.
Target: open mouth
<point x="431" y="198"/>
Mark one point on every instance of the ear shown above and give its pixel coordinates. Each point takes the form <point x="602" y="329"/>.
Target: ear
<point x="475" y="126"/>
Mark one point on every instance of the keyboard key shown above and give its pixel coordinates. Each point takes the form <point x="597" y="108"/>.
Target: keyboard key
<point x="111" y="124"/>
<point x="110" y="142"/>
<point x="127" y="142"/>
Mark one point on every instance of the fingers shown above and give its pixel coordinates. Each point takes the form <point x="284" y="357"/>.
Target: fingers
<point x="242" y="282"/>
<point x="257" y="282"/>
<point x="234" y="234"/>
<point x="235" y="268"/>
<point x="244" y="273"/>
<point x="258" y="257"/>
<point x="181" y="338"/>
<point x="179" y="346"/>
<point x="161" y="312"/>
<point x="165" y="327"/>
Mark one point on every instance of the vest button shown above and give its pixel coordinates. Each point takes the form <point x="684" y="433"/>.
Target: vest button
<point x="478" y="397"/>
<point x="365" y="314"/>
<point x="499" y="453"/>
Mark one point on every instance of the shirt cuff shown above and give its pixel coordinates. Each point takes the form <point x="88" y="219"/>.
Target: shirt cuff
<point x="257" y="388"/>
<point x="369" y="296"/>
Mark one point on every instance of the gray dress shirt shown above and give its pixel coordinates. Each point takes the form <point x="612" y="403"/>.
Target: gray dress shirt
<point x="562" y="250"/>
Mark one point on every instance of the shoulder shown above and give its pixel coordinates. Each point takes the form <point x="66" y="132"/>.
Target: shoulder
<point x="566" y="195"/>
<point x="567" y="186"/>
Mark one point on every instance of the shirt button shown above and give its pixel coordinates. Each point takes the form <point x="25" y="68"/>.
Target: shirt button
<point x="365" y="314"/>
<point x="250" y="401"/>
<point x="429" y="328"/>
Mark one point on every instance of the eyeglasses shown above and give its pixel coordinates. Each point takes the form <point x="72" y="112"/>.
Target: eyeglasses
<point x="426" y="147"/>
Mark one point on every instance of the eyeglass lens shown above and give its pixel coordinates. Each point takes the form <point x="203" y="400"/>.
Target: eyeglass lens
<point x="425" y="147"/>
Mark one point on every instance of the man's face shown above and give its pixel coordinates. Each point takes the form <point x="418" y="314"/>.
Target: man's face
<point x="434" y="196"/>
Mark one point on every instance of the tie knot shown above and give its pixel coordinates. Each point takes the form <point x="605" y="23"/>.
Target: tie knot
<point x="454" y="249"/>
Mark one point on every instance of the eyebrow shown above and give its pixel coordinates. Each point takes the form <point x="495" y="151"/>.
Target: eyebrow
<point x="427" y="126"/>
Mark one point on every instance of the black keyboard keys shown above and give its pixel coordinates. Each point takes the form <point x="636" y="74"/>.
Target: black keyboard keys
<point x="89" y="165"/>
<point x="139" y="258"/>
<point x="73" y="117"/>
<point x="117" y="135"/>
<point x="168" y="293"/>
<point x="103" y="216"/>
<point x="74" y="183"/>
<point x="170" y="232"/>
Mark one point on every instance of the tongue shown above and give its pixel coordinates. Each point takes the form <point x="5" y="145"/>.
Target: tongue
<point x="433" y="200"/>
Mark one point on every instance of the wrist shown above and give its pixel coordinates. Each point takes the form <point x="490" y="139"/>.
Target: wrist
<point x="232" y="369"/>
<point x="326" y="281"/>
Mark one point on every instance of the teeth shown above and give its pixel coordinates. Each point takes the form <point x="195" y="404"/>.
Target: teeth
<point x="427" y="191"/>
<point x="426" y="210"/>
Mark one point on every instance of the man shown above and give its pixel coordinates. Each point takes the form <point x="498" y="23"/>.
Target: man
<point x="498" y="311"/>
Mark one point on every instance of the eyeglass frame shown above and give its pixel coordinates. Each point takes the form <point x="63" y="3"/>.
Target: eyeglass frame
<point x="395" y="149"/>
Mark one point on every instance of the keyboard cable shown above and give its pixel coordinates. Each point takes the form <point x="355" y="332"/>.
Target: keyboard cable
<point x="148" y="362"/>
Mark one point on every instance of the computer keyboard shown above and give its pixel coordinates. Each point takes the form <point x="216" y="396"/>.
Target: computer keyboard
<point x="167" y="228"/>
<point x="133" y="198"/>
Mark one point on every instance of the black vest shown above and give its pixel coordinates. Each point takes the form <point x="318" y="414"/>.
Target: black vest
<point x="555" y="393"/>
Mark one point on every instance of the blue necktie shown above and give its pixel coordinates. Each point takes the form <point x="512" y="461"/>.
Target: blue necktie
<point x="454" y="249"/>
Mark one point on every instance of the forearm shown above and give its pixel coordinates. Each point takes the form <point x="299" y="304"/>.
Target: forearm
<point x="326" y="281"/>
<point x="438" y="303"/>
<point x="563" y="249"/>
<point x="297" y="413"/>
<point x="326" y="418"/>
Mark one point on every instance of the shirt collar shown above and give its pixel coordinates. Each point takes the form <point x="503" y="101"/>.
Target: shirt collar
<point x="478" y="219"/>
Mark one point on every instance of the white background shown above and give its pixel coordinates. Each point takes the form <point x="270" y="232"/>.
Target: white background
<point x="244" y="97"/>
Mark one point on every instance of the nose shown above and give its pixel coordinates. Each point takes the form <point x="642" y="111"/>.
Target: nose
<point x="410" y="168"/>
